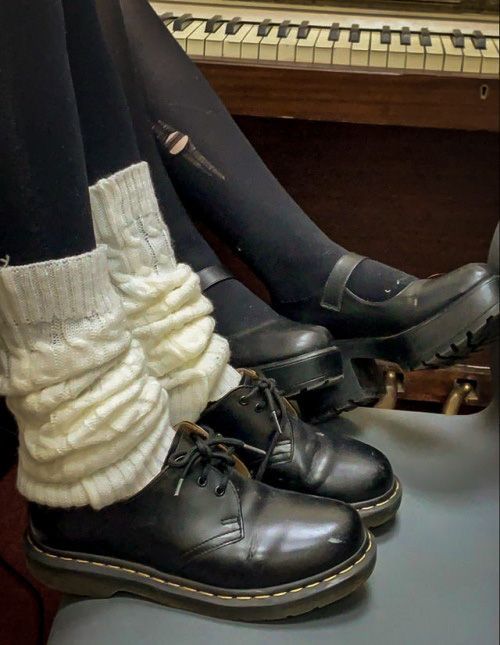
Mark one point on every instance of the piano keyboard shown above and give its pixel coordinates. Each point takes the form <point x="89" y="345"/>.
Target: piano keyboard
<point x="302" y="36"/>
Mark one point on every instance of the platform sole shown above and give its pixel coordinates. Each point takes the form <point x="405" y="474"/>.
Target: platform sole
<point x="89" y="575"/>
<point x="363" y="385"/>
<point x="306" y="372"/>
<point x="461" y="328"/>
<point x="465" y="326"/>
<point x="380" y="510"/>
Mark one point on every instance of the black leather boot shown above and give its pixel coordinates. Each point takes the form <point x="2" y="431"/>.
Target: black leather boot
<point x="204" y="536"/>
<point x="298" y="356"/>
<point x="299" y="457"/>
<point x="429" y="323"/>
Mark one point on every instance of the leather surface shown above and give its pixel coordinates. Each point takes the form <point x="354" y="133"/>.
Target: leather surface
<point x="417" y="302"/>
<point x="276" y="340"/>
<point x="213" y="275"/>
<point x="333" y="293"/>
<point x="252" y="536"/>
<point x="306" y="459"/>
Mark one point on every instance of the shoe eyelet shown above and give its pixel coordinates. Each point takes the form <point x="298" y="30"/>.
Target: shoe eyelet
<point x="259" y="407"/>
<point x="242" y="400"/>
<point x="202" y="481"/>
<point x="220" y="491"/>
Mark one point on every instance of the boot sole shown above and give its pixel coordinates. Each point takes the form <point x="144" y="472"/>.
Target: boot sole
<point x="98" y="577"/>
<point x="363" y="385"/>
<point x="306" y="372"/>
<point x="460" y="329"/>
<point x="380" y="510"/>
<point x="434" y="343"/>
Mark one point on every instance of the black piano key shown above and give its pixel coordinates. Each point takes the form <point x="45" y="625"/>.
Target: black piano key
<point x="457" y="38"/>
<point x="233" y="26"/>
<point x="334" y="34"/>
<point x="264" y="27"/>
<point x="425" y="37"/>
<point x="213" y="24"/>
<point x="284" y="29"/>
<point x="166" y="16"/>
<point x="405" y="37"/>
<point x="385" y="35"/>
<point x="355" y="34"/>
<point x="183" y="21"/>
<point x="478" y="39"/>
<point x="304" y="29"/>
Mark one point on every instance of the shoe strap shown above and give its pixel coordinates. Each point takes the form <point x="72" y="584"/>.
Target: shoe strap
<point x="213" y="275"/>
<point x="336" y="283"/>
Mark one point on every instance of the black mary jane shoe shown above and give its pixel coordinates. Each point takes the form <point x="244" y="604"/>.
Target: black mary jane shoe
<point x="429" y="323"/>
<point x="300" y="357"/>
<point x="205" y="537"/>
<point x="293" y="455"/>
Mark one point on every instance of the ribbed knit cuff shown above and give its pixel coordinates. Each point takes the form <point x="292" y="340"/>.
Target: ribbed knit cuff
<point x="70" y="288"/>
<point x="127" y="218"/>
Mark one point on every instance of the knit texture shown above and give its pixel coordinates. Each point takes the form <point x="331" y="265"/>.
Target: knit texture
<point x="93" y="423"/>
<point x="165" y="308"/>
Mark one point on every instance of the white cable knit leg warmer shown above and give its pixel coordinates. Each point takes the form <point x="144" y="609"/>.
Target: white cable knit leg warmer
<point x="93" y="423"/>
<point x="165" y="308"/>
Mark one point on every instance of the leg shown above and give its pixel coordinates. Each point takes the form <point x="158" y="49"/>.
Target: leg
<point x="293" y="256"/>
<point x="63" y="342"/>
<point x="166" y="309"/>
<point x="44" y="205"/>
<point x="258" y="336"/>
<point x="368" y="305"/>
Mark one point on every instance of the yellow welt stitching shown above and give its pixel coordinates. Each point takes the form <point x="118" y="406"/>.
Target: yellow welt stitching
<point x="205" y="593"/>
<point x="385" y="501"/>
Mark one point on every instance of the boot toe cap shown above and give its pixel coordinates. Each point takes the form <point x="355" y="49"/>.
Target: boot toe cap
<point x="360" y="473"/>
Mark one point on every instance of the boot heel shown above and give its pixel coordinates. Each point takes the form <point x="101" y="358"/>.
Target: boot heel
<point x="362" y="385"/>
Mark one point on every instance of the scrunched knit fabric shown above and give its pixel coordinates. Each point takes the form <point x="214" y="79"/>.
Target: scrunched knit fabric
<point x="93" y="423"/>
<point x="165" y="308"/>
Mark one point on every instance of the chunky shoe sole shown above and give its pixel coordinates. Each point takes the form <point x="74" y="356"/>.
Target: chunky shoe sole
<point x="99" y="577"/>
<point x="380" y="510"/>
<point x="363" y="385"/>
<point x="465" y="325"/>
<point x="307" y="372"/>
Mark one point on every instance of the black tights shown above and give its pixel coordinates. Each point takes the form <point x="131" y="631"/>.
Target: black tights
<point x="105" y="122"/>
<point x="44" y="205"/>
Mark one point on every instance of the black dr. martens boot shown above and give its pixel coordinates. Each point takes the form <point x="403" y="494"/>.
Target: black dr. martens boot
<point x="294" y="455"/>
<point x="204" y="536"/>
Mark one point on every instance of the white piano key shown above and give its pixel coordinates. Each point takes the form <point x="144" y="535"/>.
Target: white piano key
<point x="360" y="51"/>
<point x="415" y="54"/>
<point x="452" y="55"/>
<point x="305" y="47"/>
<point x="182" y="36"/>
<point x="231" y="47"/>
<point x="396" y="58"/>
<point x="434" y="55"/>
<point x="342" y="49"/>
<point x="490" y="58"/>
<point x="214" y="43"/>
<point x="323" y="48"/>
<point x="287" y="46"/>
<point x="250" y="44"/>
<point x="378" y="51"/>
<point x="268" y="48"/>
<point x="472" y="58"/>
<point x="196" y="41"/>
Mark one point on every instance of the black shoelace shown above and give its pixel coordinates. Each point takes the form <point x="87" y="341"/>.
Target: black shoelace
<point x="276" y="403"/>
<point x="212" y="451"/>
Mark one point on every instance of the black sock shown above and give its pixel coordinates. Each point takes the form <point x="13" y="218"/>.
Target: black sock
<point x="232" y="189"/>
